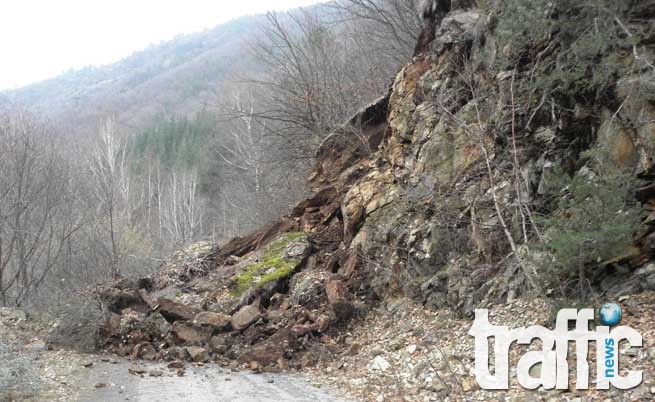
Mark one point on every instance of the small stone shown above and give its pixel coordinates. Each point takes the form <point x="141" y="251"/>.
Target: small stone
<point x="156" y="373"/>
<point x="219" y="344"/>
<point x="379" y="398"/>
<point x="379" y="364"/>
<point x="177" y="364"/>
<point x="275" y="316"/>
<point x="469" y="385"/>
<point x="144" y="350"/>
<point x="343" y="310"/>
<point x="335" y="289"/>
<point x="215" y="320"/>
<point x="436" y="385"/>
<point x="282" y="364"/>
<point x="395" y="305"/>
<point x="100" y="385"/>
<point x="136" y="369"/>
<point x="254" y="366"/>
<point x="354" y="349"/>
<point x="198" y="355"/>
<point x="419" y="331"/>
<point x="411" y="349"/>
<point x="420" y="368"/>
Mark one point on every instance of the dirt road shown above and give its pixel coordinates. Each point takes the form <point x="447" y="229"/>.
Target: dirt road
<point x="32" y="372"/>
<point x="198" y="384"/>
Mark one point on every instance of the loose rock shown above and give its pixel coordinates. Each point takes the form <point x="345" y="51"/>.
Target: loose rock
<point x="245" y="317"/>
<point x="215" y="320"/>
<point x="198" y="355"/>
<point x="190" y="333"/>
<point x="175" y="311"/>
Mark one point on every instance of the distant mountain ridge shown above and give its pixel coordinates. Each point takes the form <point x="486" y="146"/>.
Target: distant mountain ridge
<point x="172" y="78"/>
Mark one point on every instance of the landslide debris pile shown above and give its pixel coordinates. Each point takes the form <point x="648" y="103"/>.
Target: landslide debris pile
<point x="416" y="196"/>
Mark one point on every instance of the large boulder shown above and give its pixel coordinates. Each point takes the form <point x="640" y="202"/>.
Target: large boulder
<point x="270" y="352"/>
<point x="277" y="262"/>
<point x="245" y="317"/>
<point x="461" y="26"/>
<point x="156" y="326"/>
<point x="190" y="333"/>
<point x="173" y="311"/>
<point x="211" y="319"/>
<point x="307" y="289"/>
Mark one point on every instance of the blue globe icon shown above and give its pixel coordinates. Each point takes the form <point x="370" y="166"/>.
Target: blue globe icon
<point x="610" y="314"/>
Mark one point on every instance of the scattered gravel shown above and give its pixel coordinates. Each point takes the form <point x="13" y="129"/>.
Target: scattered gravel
<point x="403" y="352"/>
<point x="19" y="357"/>
<point x="19" y="373"/>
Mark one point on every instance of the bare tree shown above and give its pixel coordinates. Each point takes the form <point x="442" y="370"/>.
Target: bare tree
<point x="107" y="163"/>
<point x="35" y="197"/>
<point x="182" y="211"/>
<point x="319" y="73"/>
<point x="242" y="149"/>
<point x="392" y="27"/>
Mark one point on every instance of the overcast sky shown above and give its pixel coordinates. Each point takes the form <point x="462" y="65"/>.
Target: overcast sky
<point x="40" y="39"/>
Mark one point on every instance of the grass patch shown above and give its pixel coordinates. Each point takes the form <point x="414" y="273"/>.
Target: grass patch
<point x="272" y="267"/>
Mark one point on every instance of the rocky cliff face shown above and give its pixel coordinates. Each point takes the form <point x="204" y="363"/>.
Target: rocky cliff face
<point x="430" y="193"/>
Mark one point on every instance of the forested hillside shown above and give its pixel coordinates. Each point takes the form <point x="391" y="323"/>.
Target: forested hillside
<point x="205" y="137"/>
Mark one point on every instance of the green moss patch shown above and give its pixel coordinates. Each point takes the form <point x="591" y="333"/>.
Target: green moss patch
<point x="272" y="266"/>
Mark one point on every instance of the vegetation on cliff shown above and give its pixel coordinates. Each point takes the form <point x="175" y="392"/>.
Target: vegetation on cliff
<point x="274" y="265"/>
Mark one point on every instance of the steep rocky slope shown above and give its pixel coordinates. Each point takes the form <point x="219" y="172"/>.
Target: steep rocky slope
<point x="423" y="195"/>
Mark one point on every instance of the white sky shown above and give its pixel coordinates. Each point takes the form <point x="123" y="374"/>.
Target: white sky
<point x="40" y="39"/>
